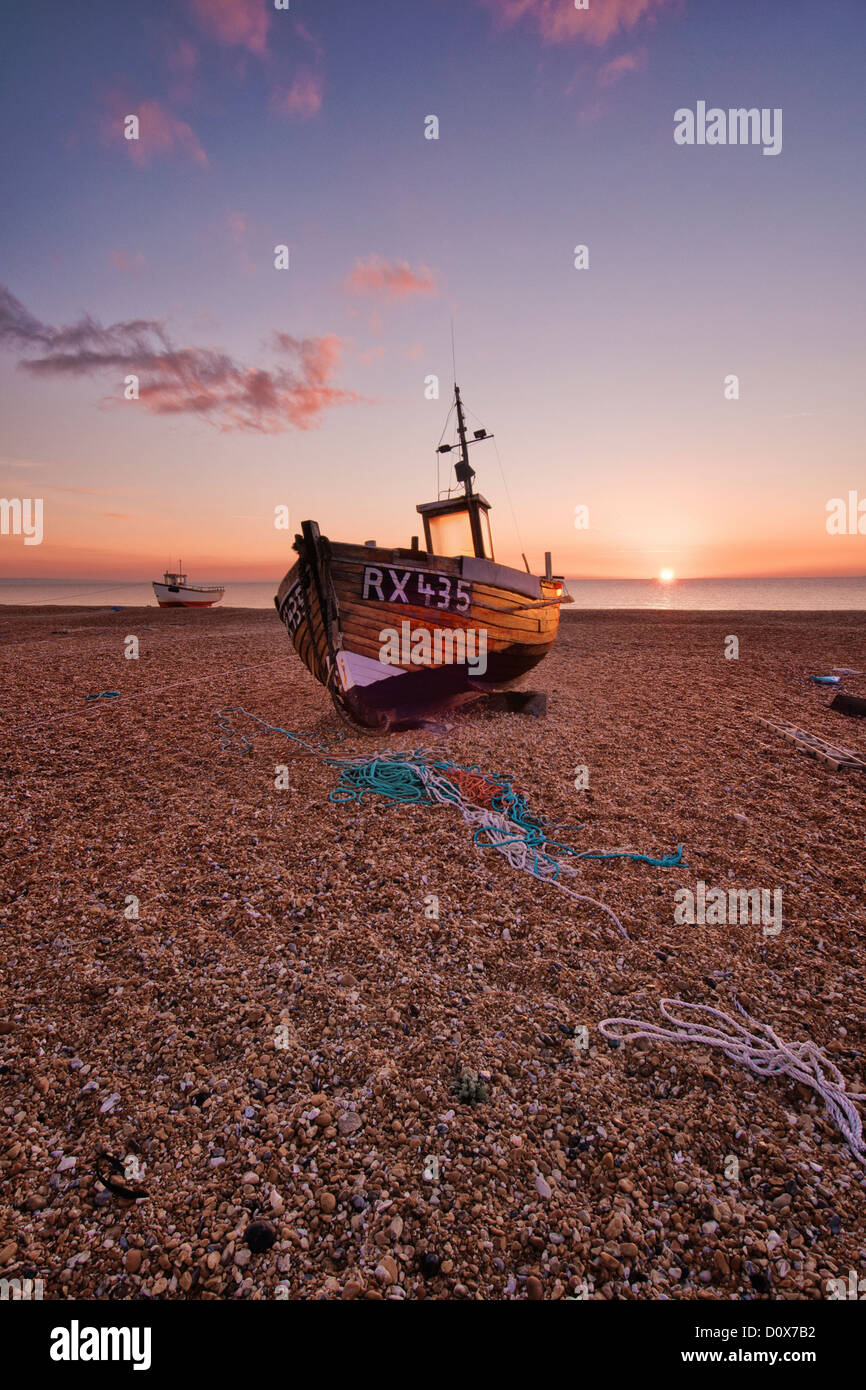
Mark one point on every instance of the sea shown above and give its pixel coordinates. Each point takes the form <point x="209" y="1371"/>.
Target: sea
<point x="695" y="595"/>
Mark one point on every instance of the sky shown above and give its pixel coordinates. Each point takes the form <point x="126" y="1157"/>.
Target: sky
<point x="607" y="387"/>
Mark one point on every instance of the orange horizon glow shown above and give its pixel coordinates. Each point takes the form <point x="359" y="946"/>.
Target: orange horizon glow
<point x="208" y="562"/>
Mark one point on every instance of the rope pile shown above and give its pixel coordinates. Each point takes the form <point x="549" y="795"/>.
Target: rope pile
<point x="499" y="815"/>
<point x="496" y="830"/>
<point x="496" y="810"/>
<point x="759" y="1049"/>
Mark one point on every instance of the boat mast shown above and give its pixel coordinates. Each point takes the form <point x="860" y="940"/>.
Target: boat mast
<point x="466" y="473"/>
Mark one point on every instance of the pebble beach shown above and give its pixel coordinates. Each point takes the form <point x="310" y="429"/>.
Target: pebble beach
<point x="323" y="1049"/>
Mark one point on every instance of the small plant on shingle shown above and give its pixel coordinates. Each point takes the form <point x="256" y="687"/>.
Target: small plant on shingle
<point x="470" y="1088"/>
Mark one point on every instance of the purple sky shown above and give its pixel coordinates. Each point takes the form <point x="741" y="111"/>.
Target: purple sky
<point x="605" y="386"/>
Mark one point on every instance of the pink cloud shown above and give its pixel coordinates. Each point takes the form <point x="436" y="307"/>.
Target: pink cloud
<point x="188" y="380"/>
<point x="303" y="98"/>
<point x="133" y="264"/>
<point x="558" y="21"/>
<point x="182" y="64"/>
<point x="183" y="57"/>
<point x="389" y="279"/>
<point x="159" y="132"/>
<point x="618" y="67"/>
<point x="308" y="37"/>
<point x="237" y="226"/>
<point x="234" y="23"/>
<point x="593" y="112"/>
<point x="236" y="397"/>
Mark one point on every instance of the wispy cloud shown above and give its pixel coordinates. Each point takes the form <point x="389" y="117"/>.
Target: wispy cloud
<point x="236" y="222"/>
<point x="121" y="260"/>
<point x="237" y="225"/>
<point x="303" y="98"/>
<point x="182" y="60"/>
<point x="389" y="280"/>
<point x="234" y="23"/>
<point x="186" y="380"/>
<point x="81" y="491"/>
<point x="309" y="37"/>
<point x="182" y="57"/>
<point x="159" y="132"/>
<point x="56" y="487"/>
<point x="619" y="67"/>
<point x="557" y="21"/>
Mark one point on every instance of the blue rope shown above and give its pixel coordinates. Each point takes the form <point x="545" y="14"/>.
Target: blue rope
<point x="396" y="777"/>
<point x="667" y="861"/>
<point x="396" y="781"/>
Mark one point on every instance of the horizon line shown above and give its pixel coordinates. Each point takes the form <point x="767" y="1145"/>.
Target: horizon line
<point x="577" y="578"/>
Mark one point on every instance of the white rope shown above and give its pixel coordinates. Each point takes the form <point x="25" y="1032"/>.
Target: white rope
<point x="504" y="838"/>
<point x="761" y="1050"/>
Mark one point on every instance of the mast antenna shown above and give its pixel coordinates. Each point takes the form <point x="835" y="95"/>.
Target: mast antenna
<point x="465" y="472"/>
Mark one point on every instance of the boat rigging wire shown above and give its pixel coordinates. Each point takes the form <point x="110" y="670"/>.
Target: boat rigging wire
<point x="441" y="437"/>
<point x="504" y="479"/>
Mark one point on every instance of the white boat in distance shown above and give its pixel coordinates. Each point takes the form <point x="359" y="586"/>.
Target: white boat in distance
<point x="175" y="592"/>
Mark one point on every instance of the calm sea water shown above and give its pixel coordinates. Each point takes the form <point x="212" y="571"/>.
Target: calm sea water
<point x="684" y="594"/>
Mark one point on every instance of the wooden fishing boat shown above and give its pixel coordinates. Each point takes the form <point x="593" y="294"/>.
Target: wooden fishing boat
<point x="396" y="634"/>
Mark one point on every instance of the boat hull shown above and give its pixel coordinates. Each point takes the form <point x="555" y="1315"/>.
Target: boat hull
<point x="396" y="635"/>
<point x="185" y="596"/>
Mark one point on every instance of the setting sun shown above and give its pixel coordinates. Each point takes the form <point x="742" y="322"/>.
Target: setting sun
<point x="666" y="576"/>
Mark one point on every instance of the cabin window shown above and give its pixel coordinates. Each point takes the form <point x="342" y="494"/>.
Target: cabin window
<point x="486" y="535"/>
<point x="451" y="534"/>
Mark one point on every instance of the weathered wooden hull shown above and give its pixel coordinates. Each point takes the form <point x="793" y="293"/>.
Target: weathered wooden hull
<point x="343" y="605"/>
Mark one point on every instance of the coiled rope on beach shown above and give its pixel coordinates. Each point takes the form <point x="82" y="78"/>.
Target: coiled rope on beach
<point x="504" y="823"/>
<point x="497" y="811"/>
<point x="758" y="1048"/>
